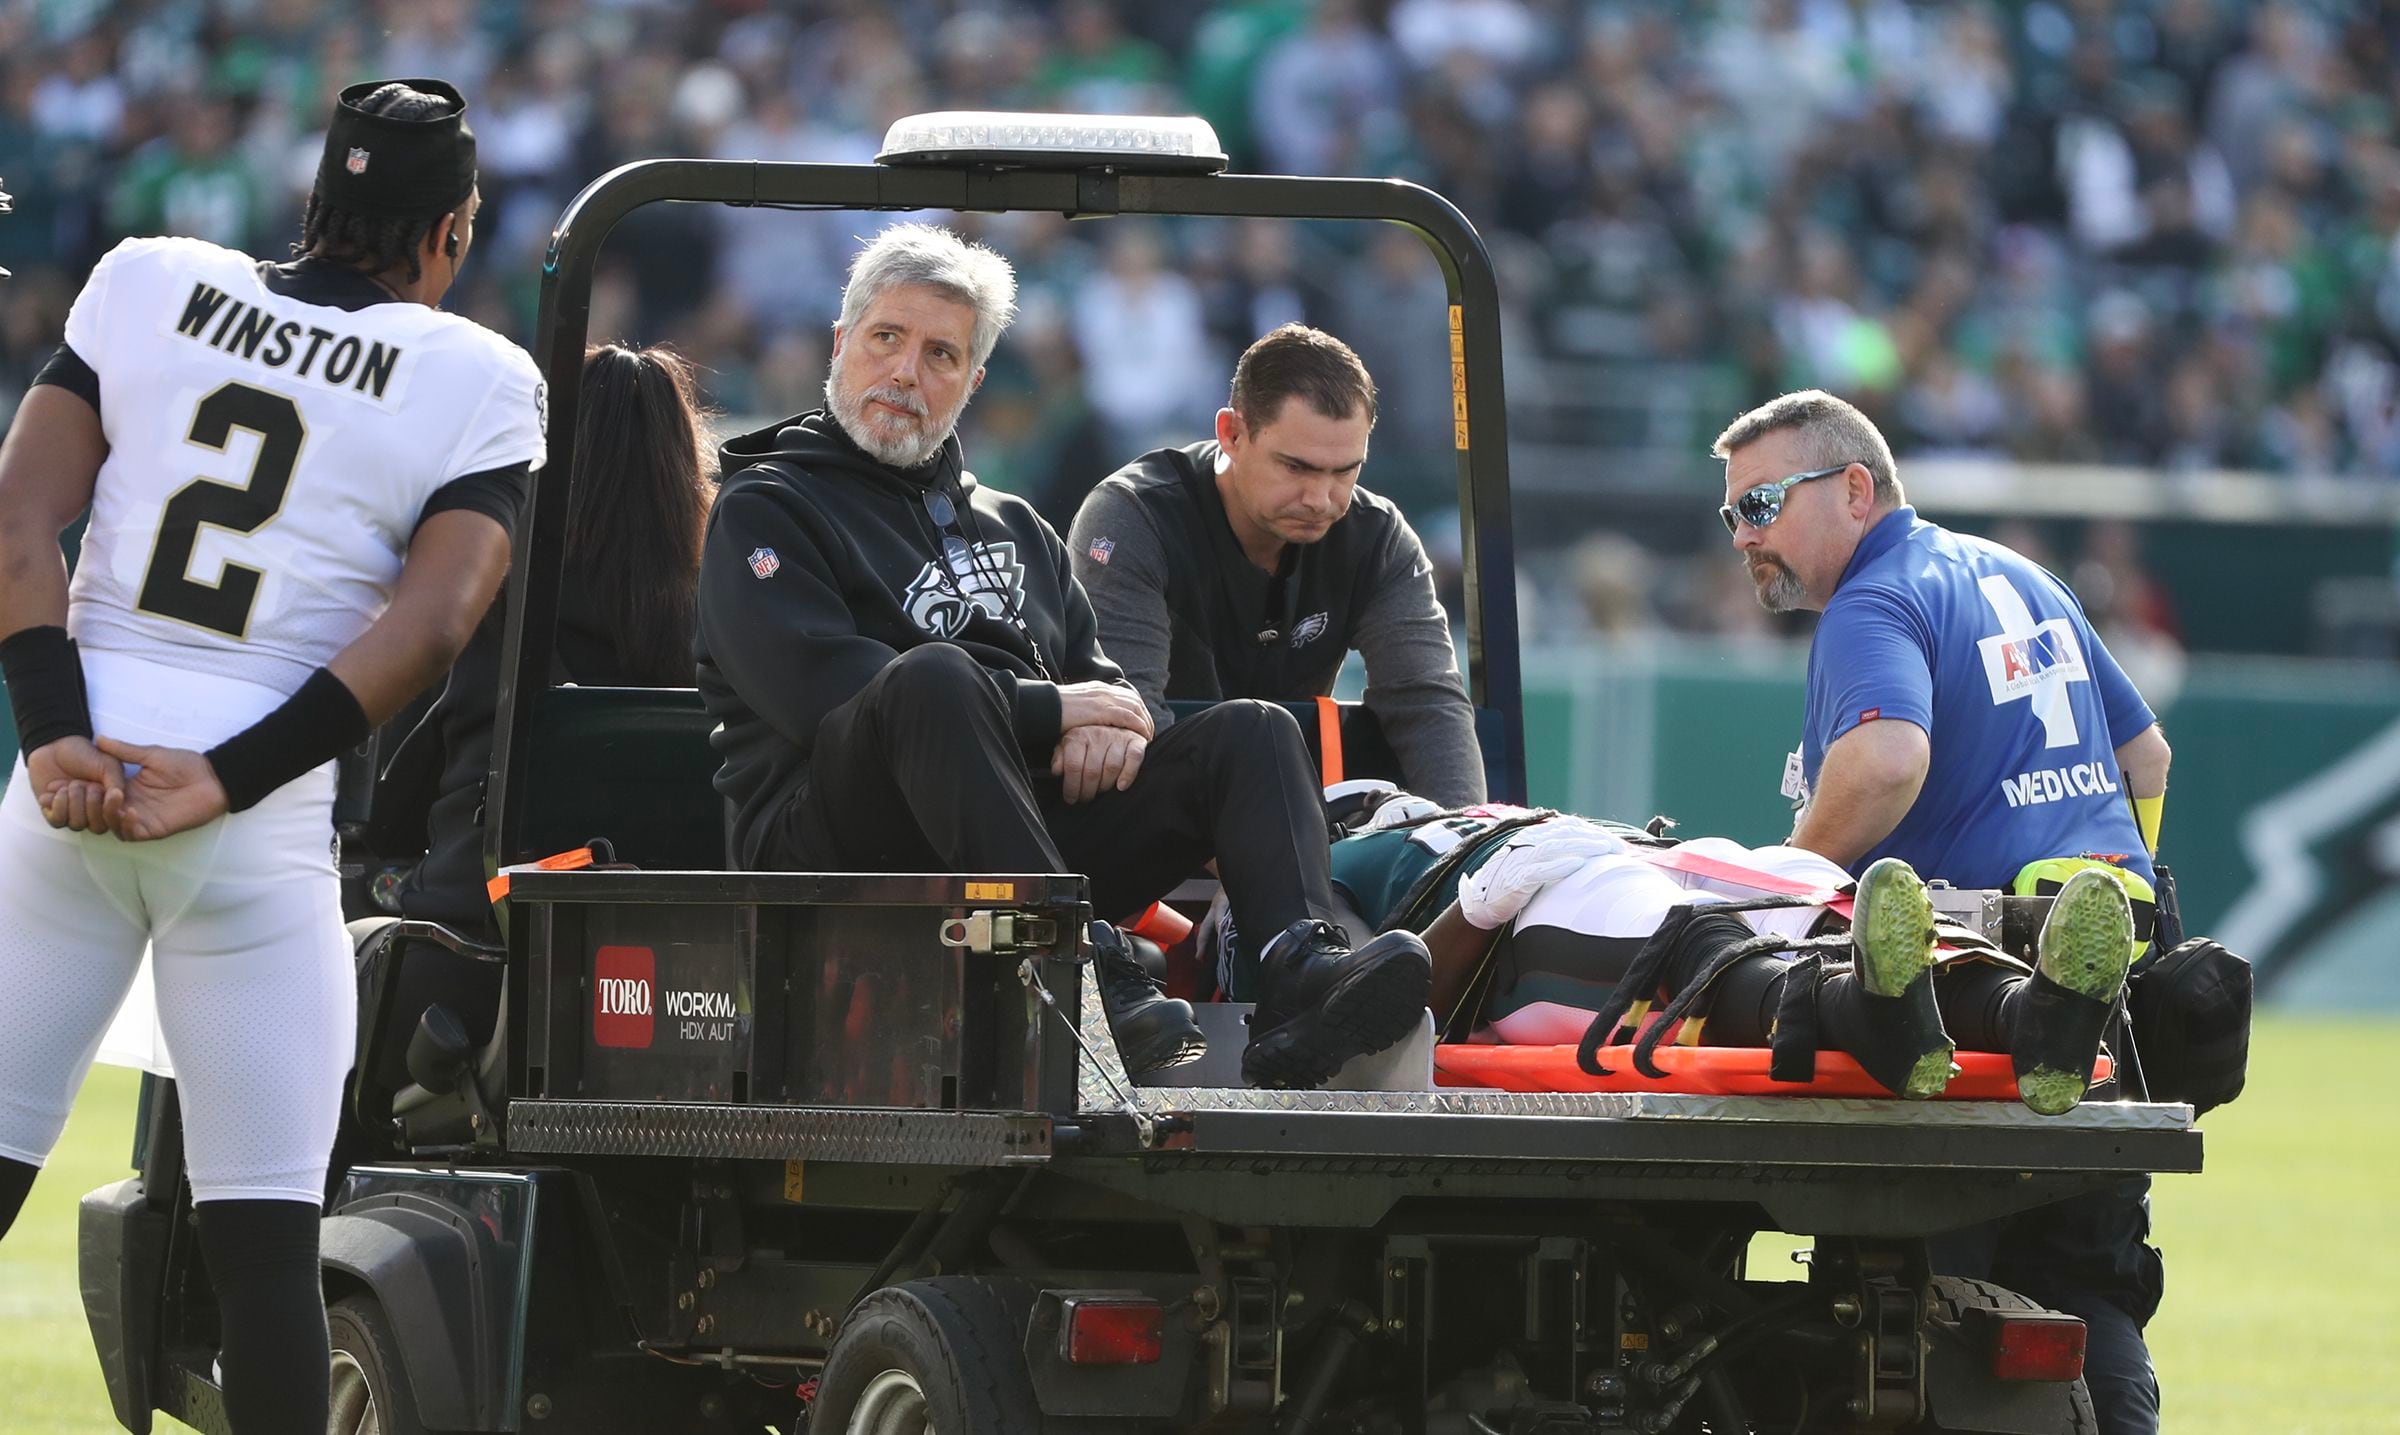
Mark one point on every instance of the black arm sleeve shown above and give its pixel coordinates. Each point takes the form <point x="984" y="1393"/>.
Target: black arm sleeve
<point x="496" y="493"/>
<point x="67" y="370"/>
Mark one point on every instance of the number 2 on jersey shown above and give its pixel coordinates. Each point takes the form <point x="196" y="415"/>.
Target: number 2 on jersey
<point x="169" y="589"/>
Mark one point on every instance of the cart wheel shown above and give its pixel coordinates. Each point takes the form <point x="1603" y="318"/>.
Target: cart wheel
<point x="370" y="1385"/>
<point x="1954" y="1296"/>
<point x="931" y="1357"/>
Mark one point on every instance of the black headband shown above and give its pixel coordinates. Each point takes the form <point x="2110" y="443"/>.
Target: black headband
<point x="387" y="167"/>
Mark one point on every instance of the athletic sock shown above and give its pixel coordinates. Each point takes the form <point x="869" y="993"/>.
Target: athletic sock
<point x="275" y="1354"/>
<point x="16" y="1178"/>
<point x="1979" y="1002"/>
<point x="1742" y="1010"/>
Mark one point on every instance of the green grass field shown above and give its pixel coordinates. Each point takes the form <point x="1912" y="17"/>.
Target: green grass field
<point x="2283" y="1261"/>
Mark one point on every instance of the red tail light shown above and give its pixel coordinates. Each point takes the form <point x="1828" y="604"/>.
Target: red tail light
<point x="1116" y="1331"/>
<point x="2036" y="1346"/>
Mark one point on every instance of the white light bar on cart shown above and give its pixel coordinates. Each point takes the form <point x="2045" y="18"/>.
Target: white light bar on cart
<point x="1183" y="144"/>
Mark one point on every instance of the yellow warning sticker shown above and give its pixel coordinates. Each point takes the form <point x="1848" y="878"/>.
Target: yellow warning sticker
<point x="791" y="1179"/>
<point x="1633" y="1340"/>
<point x="1458" y="376"/>
<point x="991" y="891"/>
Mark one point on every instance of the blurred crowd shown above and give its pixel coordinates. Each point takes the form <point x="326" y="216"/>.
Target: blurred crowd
<point x="2149" y="232"/>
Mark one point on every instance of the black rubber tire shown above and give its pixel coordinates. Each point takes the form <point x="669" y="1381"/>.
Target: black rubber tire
<point x="363" y="1341"/>
<point x="1954" y="1296"/>
<point x="956" y="1336"/>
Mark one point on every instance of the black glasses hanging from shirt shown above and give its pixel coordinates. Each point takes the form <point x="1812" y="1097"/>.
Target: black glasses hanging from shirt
<point x="960" y="558"/>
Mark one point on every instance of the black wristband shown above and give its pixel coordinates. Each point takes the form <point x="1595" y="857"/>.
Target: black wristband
<point x="313" y="727"/>
<point x="45" y="686"/>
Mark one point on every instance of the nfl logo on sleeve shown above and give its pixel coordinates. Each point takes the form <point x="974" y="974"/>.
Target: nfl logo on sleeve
<point x="1101" y="548"/>
<point x="357" y="162"/>
<point x="763" y="562"/>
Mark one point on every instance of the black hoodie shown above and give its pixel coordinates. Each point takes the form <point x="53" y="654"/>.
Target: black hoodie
<point x="822" y="565"/>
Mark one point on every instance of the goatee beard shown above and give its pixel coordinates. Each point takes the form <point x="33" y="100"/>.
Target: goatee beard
<point x="1781" y="593"/>
<point x="907" y="451"/>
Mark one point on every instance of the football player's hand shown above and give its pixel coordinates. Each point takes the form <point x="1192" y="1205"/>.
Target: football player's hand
<point x="1093" y="760"/>
<point x="172" y="790"/>
<point x="1101" y="705"/>
<point x="1550" y="852"/>
<point x="80" y="788"/>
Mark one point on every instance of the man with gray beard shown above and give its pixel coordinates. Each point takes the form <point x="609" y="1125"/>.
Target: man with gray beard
<point x="907" y="677"/>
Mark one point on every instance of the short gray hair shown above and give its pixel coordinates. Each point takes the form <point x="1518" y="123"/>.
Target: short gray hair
<point x="973" y="274"/>
<point x="1827" y="431"/>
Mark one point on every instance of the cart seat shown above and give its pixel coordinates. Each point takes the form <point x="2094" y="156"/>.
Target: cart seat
<point x="633" y="765"/>
<point x="1702" y="1071"/>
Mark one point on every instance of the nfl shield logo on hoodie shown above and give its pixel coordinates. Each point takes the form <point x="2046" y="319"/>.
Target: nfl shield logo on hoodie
<point x="763" y="562"/>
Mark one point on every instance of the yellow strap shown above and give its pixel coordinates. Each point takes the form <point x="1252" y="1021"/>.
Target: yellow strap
<point x="2146" y="814"/>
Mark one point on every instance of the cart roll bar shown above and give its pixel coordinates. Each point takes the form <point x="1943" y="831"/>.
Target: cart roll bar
<point x="565" y="315"/>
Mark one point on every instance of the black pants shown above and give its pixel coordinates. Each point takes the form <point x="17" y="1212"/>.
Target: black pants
<point x="921" y="771"/>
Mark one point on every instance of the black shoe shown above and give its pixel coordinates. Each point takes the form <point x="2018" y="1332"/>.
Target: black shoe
<point x="1320" y="1003"/>
<point x="1153" y="1030"/>
<point x="2079" y="968"/>
<point x="1891" y="925"/>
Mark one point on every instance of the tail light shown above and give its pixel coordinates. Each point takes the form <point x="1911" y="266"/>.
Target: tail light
<point x="1124" y="1330"/>
<point x="2036" y="1346"/>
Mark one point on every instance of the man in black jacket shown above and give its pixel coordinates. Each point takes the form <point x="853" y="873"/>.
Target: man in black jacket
<point x="906" y="676"/>
<point x="1250" y="564"/>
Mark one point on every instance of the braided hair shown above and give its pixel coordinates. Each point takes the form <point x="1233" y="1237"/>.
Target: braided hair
<point x="377" y="243"/>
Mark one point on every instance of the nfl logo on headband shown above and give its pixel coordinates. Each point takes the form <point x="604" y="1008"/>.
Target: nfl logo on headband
<point x="357" y="163"/>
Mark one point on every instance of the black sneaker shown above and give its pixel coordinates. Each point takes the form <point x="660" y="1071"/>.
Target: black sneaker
<point x="1320" y="1003"/>
<point x="2079" y="968"/>
<point x="1891" y="926"/>
<point x="1153" y="1030"/>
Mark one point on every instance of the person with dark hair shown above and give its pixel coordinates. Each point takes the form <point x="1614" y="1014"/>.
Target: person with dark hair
<point x="643" y="479"/>
<point x="1553" y="930"/>
<point x="1964" y="717"/>
<point x="906" y="678"/>
<point x="1251" y="564"/>
<point x="301" y="479"/>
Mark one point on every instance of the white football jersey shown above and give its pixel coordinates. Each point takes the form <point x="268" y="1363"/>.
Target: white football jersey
<point x="269" y="458"/>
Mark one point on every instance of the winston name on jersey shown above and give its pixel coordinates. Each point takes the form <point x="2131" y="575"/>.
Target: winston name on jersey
<point x="276" y="434"/>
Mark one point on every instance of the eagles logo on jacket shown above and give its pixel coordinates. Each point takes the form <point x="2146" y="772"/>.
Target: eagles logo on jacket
<point x="822" y="565"/>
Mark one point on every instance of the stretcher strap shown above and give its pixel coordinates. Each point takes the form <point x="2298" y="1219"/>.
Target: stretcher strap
<point x="1693" y="864"/>
<point x="1686" y="927"/>
<point x="567" y="861"/>
<point x="1792" y="1043"/>
<point x="1329" y="740"/>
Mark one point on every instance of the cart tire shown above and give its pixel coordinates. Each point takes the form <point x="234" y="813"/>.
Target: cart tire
<point x="370" y="1384"/>
<point x="1954" y="1296"/>
<point x="943" y="1356"/>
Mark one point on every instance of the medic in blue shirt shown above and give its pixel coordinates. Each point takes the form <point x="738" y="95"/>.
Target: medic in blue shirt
<point x="1963" y="717"/>
<point x="1962" y="714"/>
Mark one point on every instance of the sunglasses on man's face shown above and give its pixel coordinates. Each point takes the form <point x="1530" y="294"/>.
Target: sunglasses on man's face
<point x="1764" y="504"/>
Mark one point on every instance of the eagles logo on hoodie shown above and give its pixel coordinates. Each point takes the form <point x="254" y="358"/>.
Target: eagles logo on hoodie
<point x="944" y="603"/>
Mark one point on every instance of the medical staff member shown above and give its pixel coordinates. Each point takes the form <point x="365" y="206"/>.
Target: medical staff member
<point x="1962" y="716"/>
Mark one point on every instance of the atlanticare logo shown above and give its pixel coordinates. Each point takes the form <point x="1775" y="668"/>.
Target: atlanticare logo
<point x="623" y="982"/>
<point x="2034" y="656"/>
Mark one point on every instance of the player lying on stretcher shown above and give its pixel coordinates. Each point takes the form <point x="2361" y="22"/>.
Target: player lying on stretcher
<point x="1556" y="930"/>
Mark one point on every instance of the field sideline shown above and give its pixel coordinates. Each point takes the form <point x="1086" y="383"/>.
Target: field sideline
<point x="2283" y="1261"/>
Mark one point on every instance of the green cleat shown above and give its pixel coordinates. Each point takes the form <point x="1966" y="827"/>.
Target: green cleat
<point x="1891" y="925"/>
<point x="2079" y="965"/>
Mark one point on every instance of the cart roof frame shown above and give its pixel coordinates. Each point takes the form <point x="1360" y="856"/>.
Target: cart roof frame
<point x="565" y="316"/>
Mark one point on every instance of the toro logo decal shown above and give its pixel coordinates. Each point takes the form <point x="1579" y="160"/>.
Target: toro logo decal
<point x="623" y="981"/>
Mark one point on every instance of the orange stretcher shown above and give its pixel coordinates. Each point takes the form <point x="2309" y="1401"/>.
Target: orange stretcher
<point x="1702" y="1071"/>
<point x="1710" y="1070"/>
